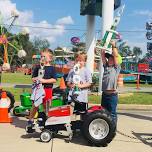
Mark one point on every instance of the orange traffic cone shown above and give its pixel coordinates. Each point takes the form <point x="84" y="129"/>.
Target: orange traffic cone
<point x="62" y="84"/>
<point x="4" y="104"/>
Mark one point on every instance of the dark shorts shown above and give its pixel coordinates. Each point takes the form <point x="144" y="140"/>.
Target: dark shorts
<point x="81" y="107"/>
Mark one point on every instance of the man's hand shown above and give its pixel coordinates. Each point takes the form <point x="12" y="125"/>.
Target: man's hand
<point x="113" y="43"/>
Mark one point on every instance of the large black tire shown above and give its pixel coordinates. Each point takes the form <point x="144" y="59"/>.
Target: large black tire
<point x="98" y="128"/>
<point x="11" y="98"/>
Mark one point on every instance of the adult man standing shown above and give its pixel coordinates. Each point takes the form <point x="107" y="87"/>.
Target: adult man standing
<point x="109" y="82"/>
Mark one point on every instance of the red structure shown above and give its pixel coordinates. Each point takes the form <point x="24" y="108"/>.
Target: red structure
<point x="142" y="67"/>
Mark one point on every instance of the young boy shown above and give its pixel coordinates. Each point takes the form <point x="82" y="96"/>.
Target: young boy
<point x="109" y="82"/>
<point x="46" y="74"/>
<point x="85" y="82"/>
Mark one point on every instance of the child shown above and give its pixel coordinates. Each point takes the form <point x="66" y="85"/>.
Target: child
<point x="85" y="82"/>
<point x="109" y="82"/>
<point x="46" y="74"/>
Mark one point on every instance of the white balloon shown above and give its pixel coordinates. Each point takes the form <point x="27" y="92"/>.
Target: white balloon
<point x="25" y="31"/>
<point x="6" y="66"/>
<point x="23" y="65"/>
<point x="21" y="53"/>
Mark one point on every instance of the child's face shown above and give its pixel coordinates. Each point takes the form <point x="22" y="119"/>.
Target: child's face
<point x="45" y="58"/>
<point x="81" y="61"/>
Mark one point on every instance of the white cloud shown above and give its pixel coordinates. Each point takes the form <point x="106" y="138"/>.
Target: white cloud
<point x="50" y="32"/>
<point x="65" y="20"/>
<point x="143" y="13"/>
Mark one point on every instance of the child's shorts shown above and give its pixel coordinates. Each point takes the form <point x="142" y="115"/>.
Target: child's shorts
<point x="48" y="95"/>
<point x="81" y="107"/>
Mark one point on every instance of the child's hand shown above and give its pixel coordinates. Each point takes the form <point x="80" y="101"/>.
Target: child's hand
<point x="42" y="80"/>
<point x="34" y="79"/>
<point x="80" y="85"/>
<point x="71" y="86"/>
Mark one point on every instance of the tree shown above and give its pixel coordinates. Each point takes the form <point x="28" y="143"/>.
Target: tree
<point x="124" y="49"/>
<point x="137" y="52"/>
<point x="40" y="44"/>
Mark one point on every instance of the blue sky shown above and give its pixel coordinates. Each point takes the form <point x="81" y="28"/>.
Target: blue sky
<point x="65" y="14"/>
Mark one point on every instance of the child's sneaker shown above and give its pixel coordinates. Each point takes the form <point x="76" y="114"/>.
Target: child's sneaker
<point x="30" y="123"/>
<point x="29" y="127"/>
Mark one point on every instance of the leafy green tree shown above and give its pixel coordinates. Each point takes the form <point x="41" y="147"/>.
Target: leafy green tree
<point x="124" y="49"/>
<point x="40" y="44"/>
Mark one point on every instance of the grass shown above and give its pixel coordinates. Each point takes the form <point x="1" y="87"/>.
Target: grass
<point x="17" y="92"/>
<point x="134" y="85"/>
<point x="17" y="78"/>
<point x="20" y="78"/>
<point x="144" y="98"/>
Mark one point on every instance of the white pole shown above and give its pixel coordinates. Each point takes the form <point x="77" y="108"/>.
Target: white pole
<point x="107" y="20"/>
<point x="90" y="42"/>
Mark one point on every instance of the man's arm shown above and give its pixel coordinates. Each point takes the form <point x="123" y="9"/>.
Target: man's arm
<point x="114" y="52"/>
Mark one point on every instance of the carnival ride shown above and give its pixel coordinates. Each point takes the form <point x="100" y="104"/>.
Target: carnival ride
<point x="5" y="42"/>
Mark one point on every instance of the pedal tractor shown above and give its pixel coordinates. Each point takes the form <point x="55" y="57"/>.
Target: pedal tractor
<point x="95" y="123"/>
<point x="26" y="103"/>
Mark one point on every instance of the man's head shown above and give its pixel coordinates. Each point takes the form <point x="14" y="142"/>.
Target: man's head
<point x="110" y="59"/>
<point x="46" y="56"/>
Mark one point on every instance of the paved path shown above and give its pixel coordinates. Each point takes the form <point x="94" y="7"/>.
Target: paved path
<point x="134" y="123"/>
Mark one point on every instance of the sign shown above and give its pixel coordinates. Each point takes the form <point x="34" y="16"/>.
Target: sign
<point x="142" y="67"/>
<point x="75" y="40"/>
<point x="94" y="7"/>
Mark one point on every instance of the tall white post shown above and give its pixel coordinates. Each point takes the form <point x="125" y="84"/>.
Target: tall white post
<point x="90" y="42"/>
<point x="107" y="20"/>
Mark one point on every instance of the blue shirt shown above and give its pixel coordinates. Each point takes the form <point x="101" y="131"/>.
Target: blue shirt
<point x="49" y="72"/>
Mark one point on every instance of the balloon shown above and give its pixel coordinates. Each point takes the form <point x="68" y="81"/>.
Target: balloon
<point x="21" y="53"/>
<point x="75" y="40"/>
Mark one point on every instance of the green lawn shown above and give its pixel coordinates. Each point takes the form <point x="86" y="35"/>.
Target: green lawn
<point x="20" y="78"/>
<point x="17" y="78"/>
<point x="136" y="98"/>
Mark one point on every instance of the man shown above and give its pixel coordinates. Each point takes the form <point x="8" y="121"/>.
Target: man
<point x="109" y="82"/>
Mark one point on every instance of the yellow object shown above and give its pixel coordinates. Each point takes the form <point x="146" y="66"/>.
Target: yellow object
<point x="36" y="116"/>
<point x="119" y="59"/>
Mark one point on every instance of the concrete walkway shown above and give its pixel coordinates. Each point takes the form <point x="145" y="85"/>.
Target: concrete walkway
<point x="13" y="137"/>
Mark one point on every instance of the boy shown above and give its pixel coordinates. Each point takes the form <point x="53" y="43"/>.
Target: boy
<point x="85" y="82"/>
<point x="109" y="81"/>
<point x="46" y="74"/>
